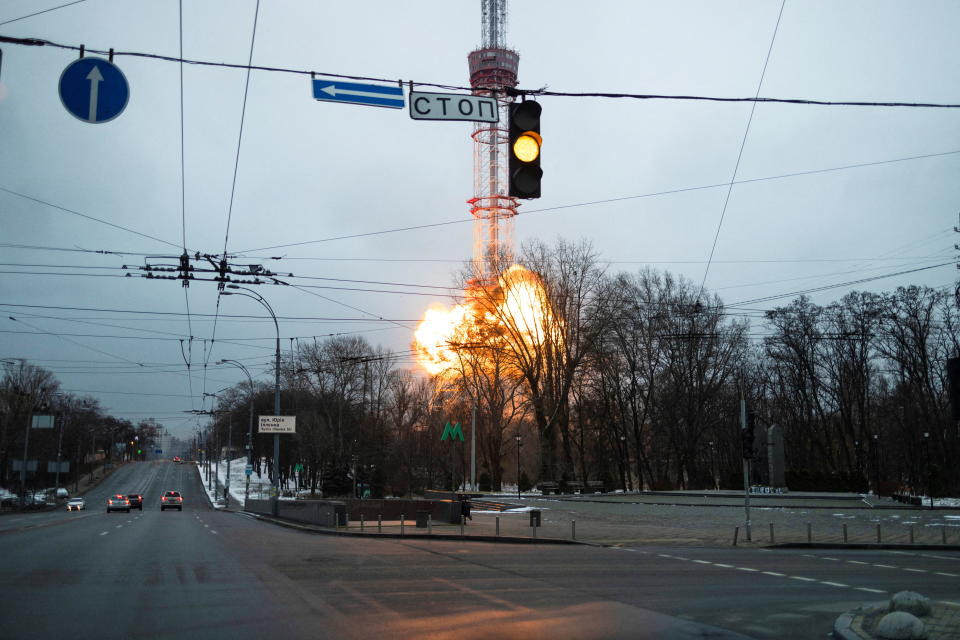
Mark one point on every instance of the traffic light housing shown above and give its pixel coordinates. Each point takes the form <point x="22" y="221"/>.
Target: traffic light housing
<point x="748" y="434"/>
<point x="953" y="386"/>
<point x="524" y="149"/>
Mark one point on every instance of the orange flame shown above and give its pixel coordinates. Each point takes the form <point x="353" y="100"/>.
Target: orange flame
<point x="516" y="308"/>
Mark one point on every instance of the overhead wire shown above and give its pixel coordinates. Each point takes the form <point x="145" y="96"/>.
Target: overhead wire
<point x="37" y="13"/>
<point x="39" y="42"/>
<point x="743" y="143"/>
<point x="651" y="194"/>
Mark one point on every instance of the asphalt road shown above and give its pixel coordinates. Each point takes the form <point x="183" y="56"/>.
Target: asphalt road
<point x="213" y="574"/>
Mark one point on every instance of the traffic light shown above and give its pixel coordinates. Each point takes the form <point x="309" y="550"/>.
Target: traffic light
<point x="525" y="142"/>
<point x="953" y="386"/>
<point x="748" y="434"/>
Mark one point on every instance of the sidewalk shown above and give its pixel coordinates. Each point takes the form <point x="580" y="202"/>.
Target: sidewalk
<point x="943" y="623"/>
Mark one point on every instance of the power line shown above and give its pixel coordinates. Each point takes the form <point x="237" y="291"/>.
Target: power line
<point x="652" y="194"/>
<point x="83" y="215"/>
<point x="743" y="143"/>
<point x="41" y="12"/>
<point x="39" y="42"/>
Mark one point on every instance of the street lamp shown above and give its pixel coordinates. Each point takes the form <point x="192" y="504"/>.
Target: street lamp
<point x="246" y="492"/>
<point x="518" y="465"/>
<point x="276" y="389"/>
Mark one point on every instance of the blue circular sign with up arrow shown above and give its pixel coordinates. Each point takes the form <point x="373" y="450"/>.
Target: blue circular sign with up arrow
<point x="94" y="90"/>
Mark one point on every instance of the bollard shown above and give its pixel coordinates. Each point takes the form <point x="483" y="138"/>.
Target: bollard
<point x="463" y="521"/>
<point x="809" y="533"/>
<point x="379" y="523"/>
<point x="736" y="532"/>
<point x="878" y="533"/>
<point x="361" y="522"/>
<point x="911" y="534"/>
<point x="498" y="526"/>
<point x="772" y="540"/>
<point x="573" y="529"/>
<point x="429" y="524"/>
<point x="401" y="524"/>
<point x="844" y="534"/>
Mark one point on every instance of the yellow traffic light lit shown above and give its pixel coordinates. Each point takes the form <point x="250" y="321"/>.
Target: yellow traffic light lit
<point x="527" y="146"/>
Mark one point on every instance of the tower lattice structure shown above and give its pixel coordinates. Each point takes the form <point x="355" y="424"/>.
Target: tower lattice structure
<point x="493" y="70"/>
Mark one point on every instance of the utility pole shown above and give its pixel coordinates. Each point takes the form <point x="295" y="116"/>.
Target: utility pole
<point x="746" y="461"/>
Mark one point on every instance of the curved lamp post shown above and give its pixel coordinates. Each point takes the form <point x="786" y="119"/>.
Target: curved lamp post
<point x="246" y="492"/>
<point x="276" y="390"/>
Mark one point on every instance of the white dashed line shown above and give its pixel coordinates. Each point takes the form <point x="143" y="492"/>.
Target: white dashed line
<point x="103" y="533"/>
<point x="949" y="575"/>
<point x="680" y="558"/>
<point x="702" y="562"/>
<point x="213" y="532"/>
<point x="835" y="584"/>
<point x="857" y="562"/>
<point x="868" y="590"/>
<point x="725" y="566"/>
<point x="119" y="526"/>
<point x="915" y="570"/>
<point x="664" y="555"/>
<point x="802" y="578"/>
<point x="207" y="526"/>
<point x="774" y="573"/>
<point x="833" y="559"/>
<point x="747" y="569"/>
<point x="884" y="566"/>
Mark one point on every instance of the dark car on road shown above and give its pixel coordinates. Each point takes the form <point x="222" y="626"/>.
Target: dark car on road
<point x="118" y="502"/>
<point x="171" y="500"/>
<point x="136" y="501"/>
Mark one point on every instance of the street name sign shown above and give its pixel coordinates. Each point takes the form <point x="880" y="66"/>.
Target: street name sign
<point x="94" y="90"/>
<point x="278" y="424"/>
<point x="452" y="106"/>
<point x="371" y="95"/>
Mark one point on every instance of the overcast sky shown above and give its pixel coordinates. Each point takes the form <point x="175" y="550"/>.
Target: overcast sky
<point x="310" y="171"/>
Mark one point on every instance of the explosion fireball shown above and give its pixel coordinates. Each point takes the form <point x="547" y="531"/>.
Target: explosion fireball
<point x="515" y="309"/>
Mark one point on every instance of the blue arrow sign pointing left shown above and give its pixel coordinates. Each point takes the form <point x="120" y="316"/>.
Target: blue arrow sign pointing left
<point x="374" y="95"/>
<point x="94" y="90"/>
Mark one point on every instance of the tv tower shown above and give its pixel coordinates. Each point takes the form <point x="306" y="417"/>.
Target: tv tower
<point x="493" y="70"/>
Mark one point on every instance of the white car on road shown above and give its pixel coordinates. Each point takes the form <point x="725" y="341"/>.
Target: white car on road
<point x="76" y="504"/>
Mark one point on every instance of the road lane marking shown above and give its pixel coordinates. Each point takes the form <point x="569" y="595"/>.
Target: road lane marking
<point x="915" y="570"/>
<point x="868" y="590"/>
<point x="725" y="566"/>
<point x="119" y="526"/>
<point x="835" y="584"/>
<point x="747" y="569"/>
<point x="213" y="532"/>
<point x="884" y="566"/>
<point x="949" y="575"/>
<point x="774" y="573"/>
<point x="857" y="562"/>
<point x="103" y="533"/>
<point x="802" y="578"/>
<point x="833" y="559"/>
<point x="702" y="562"/>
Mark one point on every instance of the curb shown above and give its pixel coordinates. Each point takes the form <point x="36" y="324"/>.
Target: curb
<point x="900" y="546"/>
<point x="412" y="536"/>
<point x="843" y="626"/>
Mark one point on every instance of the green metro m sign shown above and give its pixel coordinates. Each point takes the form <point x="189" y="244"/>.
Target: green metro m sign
<point x="452" y="432"/>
